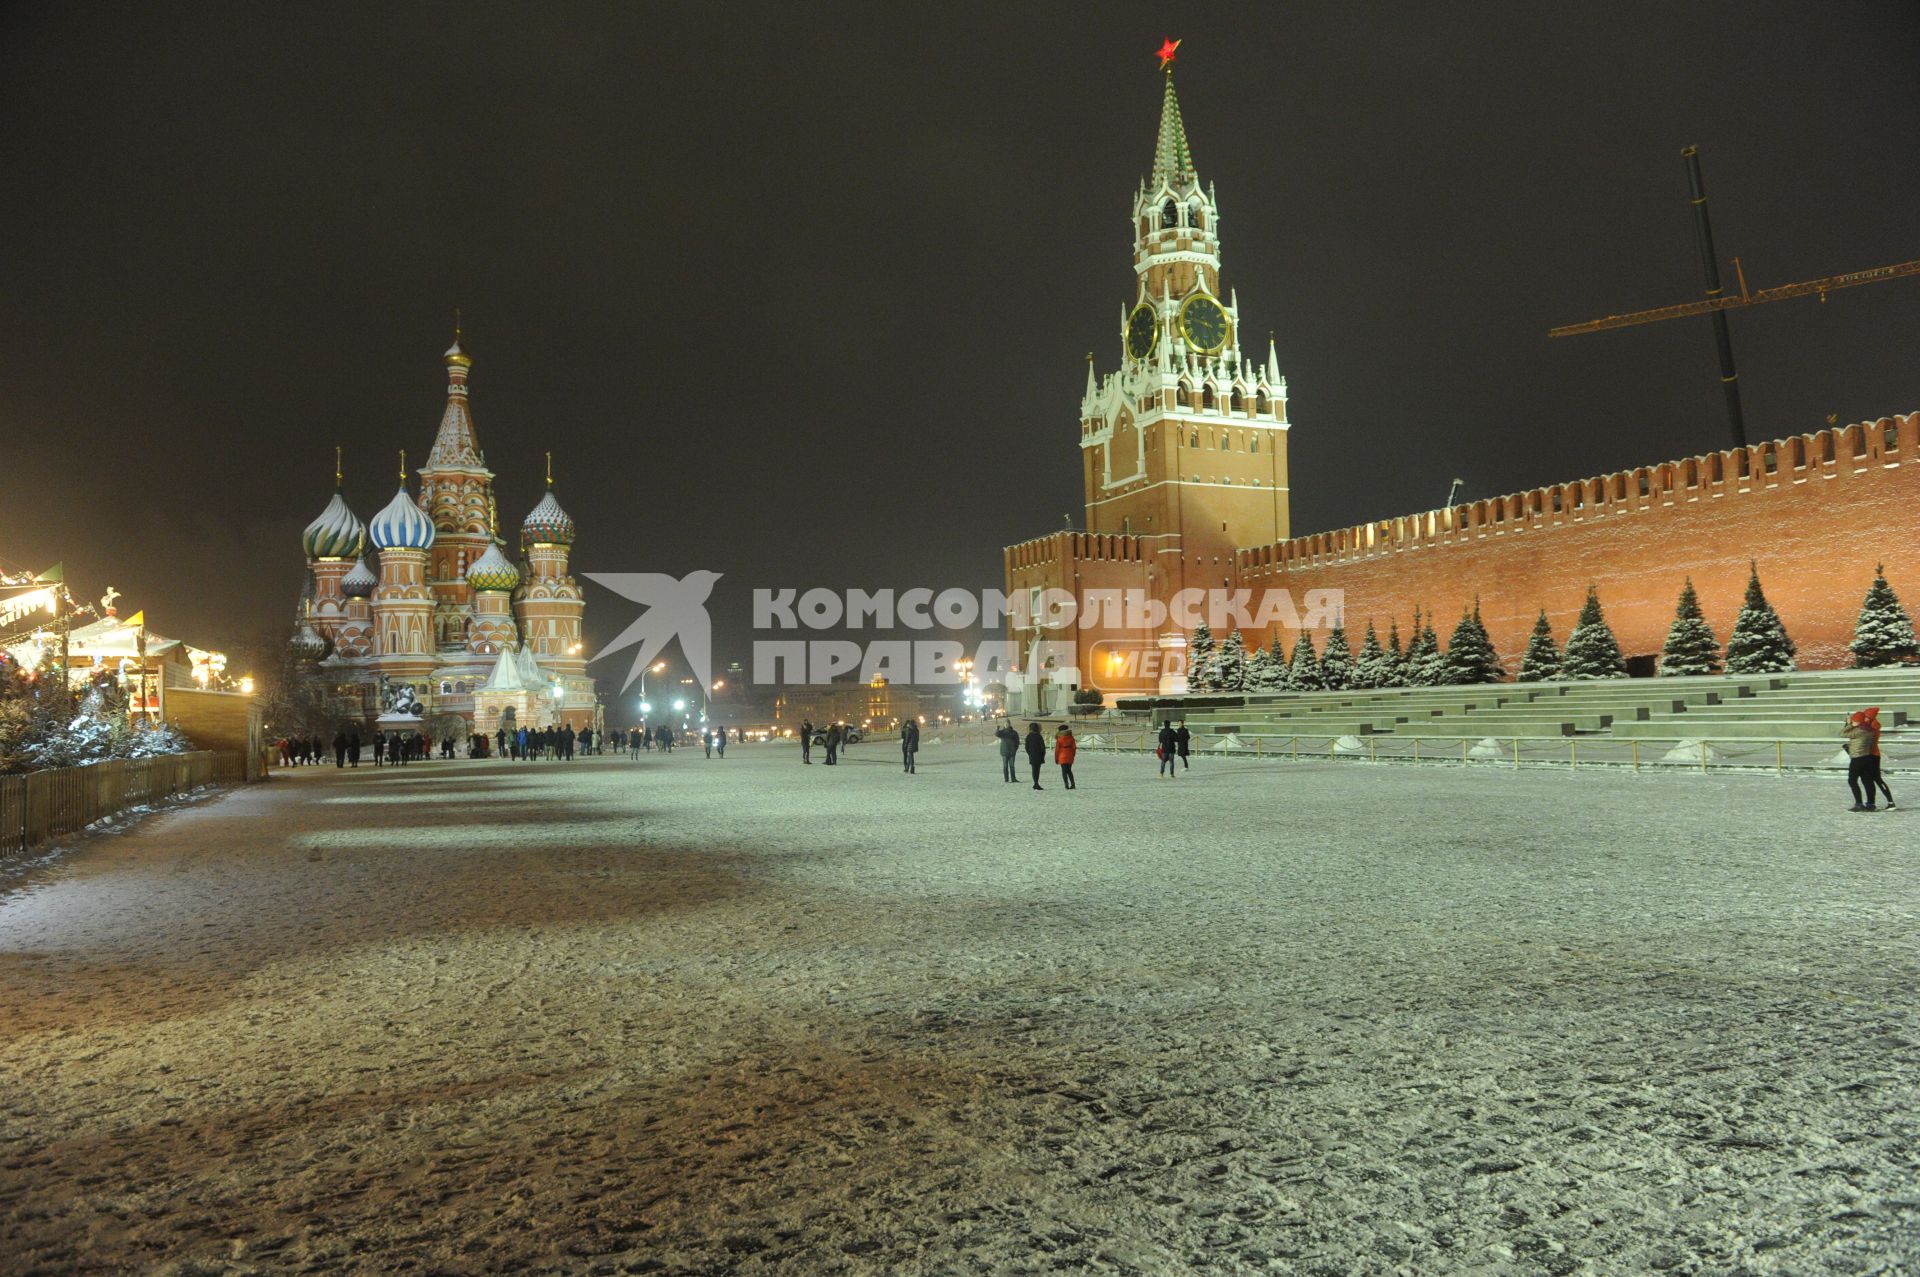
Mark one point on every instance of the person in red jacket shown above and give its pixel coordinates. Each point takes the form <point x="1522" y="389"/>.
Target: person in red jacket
<point x="1064" y="748"/>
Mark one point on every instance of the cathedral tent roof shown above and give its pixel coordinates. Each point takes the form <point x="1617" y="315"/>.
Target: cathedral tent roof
<point x="531" y="675"/>
<point x="456" y="445"/>
<point x="506" y="674"/>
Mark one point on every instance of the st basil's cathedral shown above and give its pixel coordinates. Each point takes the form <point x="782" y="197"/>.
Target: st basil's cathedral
<point x="421" y="609"/>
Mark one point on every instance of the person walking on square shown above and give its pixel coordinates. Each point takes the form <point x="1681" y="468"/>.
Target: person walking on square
<point x="1064" y="749"/>
<point x="806" y="741"/>
<point x="1183" y="743"/>
<point x="1009" y="750"/>
<point x="353" y="748"/>
<point x="1874" y="778"/>
<point x="1036" y="751"/>
<point x="1859" y="745"/>
<point x="1169" y="759"/>
<point x="379" y="749"/>
<point x="909" y="743"/>
<point x="833" y="745"/>
<point x="340" y="749"/>
<point x="720" y="740"/>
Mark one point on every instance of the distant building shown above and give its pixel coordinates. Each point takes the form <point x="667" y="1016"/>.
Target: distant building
<point x="441" y="609"/>
<point x="1187" y="489"/>
<point x="878" y="704"/>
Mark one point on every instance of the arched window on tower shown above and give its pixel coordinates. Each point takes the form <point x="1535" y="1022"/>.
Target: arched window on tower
<point x="1193" y="440"/>
<point x="1233" y="400"/>
<point x="1260" y="402"/>
<point x="1253" y="444"/>
<point x="1196" y="219"/>
<point x="1206" y="396"/>
<point x="1169" y="214"/>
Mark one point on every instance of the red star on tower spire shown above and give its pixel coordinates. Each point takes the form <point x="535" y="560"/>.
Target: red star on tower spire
<point x="1167" y="50"/>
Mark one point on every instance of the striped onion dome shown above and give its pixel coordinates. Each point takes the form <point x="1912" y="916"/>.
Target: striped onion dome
<point x="548" y="524"/>
<point x="336" y="534"/>
<point x="491" y="571"/>
<point x="401" y="525"/>
<point x="359" y="581"/>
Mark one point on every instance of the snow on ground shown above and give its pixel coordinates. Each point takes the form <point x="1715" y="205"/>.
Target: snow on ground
<point x="744" y="1016"/>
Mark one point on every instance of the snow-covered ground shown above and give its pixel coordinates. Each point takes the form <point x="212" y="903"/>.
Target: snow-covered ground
<point x="743" y="1016"/>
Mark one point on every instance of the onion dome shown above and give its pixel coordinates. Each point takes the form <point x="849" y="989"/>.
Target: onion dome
<point x="359" y="581"/>
<point x="336" y="534"/>
<point x="548" y="524"/>
<point x="401" y="525"/>
<point x="491" y="571"/>
<point x="309" y="644"/>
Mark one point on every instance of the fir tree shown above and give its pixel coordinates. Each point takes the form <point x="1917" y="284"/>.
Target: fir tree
<point x="1370" y="667"/>
<point x="1200" y="652"/>
<point x="1470" y="655"/>
<point x="1303" y="672"/>
<point x="1426" y="663"/>
<point x="1396" y="667"/>
<point x="1542" y="659"/>
<point x="1592" y="650"/>
<point x="1759" y="643"/>
<point x="1336" y="661"/>
<point x="1261" y="674"/>
<point x="1277" y="662"/>
<point x="1884" y="633"/>
<point x="1691" y="647"/>
<point x="1230" y="664"/>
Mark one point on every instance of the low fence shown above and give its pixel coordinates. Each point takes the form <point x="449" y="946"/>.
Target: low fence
<point x="40" y="806"/>
<point x="1574" y="752"/>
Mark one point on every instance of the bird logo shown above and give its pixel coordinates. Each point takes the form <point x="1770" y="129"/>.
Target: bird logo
<point x="676" y="609"/>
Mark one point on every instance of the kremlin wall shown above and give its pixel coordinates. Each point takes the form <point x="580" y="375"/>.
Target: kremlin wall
<point x="1186" y="482"/>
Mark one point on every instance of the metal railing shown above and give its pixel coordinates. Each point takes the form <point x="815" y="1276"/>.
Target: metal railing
<point x="1573" y="752"/>
<point x="40" y="806"/>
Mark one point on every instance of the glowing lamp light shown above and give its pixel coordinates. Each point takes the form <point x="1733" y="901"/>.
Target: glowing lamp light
<point x="646" y="707"/>
<point x="679" y="705"/>
<point x="246" y="685"/>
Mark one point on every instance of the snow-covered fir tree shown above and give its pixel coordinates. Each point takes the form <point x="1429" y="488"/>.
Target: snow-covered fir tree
<point x="1277" y="662"/>
<point x="1884" y="633"/>
<point x="1541" y="660"/>
<point x="1470" y="656"/>
<point x="1200" y="652"/>
<point x="1759" y="643"/>
<point x="1426" y="663"/>
<point x="1303" y="671"/>
<point x="1396" y="666"/>
<point x="1691" y="647"/>
<point x="1592" y="650"/>
<point x="1261" y="676"/>
<point x="1371" y="665"/>
<point x="1230" y="664"/>
<point x="1336" y="660"/>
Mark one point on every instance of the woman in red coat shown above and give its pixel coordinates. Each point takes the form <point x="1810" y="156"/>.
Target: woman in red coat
<point x="1064" y="748"/>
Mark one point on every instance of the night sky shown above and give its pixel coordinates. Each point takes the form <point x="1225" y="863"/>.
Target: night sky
<point x="802" y="294"/>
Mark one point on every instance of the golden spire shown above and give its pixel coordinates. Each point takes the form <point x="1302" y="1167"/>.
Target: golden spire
<point x="549" y="470"/>
<point x="337" y="479"/>
<point x="456" y="356"/>
<point x="403" y="467"/>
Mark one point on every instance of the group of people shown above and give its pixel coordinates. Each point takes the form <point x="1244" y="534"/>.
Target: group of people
<point x="388" y="748"/>
<point x="836" y="738"/>
<point x="1862" y="736"/>
<point x="1065" y="748"/>
<point x="543" y="742"/>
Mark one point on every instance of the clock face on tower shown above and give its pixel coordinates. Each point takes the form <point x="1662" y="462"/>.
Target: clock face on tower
<point x="1143" y="331"/>
<point x="1203" y="323"/>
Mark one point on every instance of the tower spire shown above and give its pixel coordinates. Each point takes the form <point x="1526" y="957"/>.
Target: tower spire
<point x="455" y="445"/>
<point x="1172" y="160"/>
<point x="338" y="474"/>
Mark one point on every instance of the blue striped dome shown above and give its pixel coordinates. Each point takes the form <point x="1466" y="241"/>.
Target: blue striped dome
<point x="336" y="534"/>
<point x="402" y="525"/>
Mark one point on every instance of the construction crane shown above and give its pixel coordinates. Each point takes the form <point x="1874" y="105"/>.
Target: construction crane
<point x="1718" y="303"/>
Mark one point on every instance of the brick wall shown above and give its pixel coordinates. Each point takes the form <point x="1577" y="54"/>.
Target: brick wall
<point x="1816" y="513"/>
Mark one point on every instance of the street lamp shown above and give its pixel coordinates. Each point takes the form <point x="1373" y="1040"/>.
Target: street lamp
<point x="655" y="668"/>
